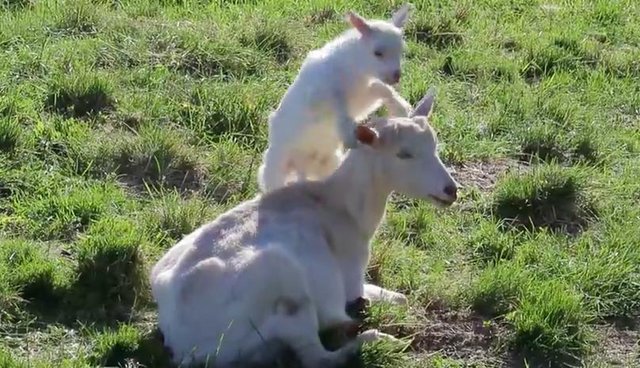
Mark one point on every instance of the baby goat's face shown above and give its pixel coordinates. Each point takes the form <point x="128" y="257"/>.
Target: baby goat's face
<point x="382" y="44"/>
<point x="385" y="47"/>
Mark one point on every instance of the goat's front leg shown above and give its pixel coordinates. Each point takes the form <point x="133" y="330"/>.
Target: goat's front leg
<point x="397" y="105"/>
<point x="346" y="123"/>
<point x="354" y="282"/>
<point x="357" y="308"/>
<point x="376" y="293"/>
<point x="356" y="288"/>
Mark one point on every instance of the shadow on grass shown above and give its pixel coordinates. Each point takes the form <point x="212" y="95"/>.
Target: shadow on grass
<point x="548" y="197"/>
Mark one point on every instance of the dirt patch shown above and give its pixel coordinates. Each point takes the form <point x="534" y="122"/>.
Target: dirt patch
<point x="483" y="175"/>
<point x="619" y="344"/>
<point x="459" y="334"/>
<point x="454" y="334"/>
<point x="36" y="340"/>
<point x="186" y="183"/>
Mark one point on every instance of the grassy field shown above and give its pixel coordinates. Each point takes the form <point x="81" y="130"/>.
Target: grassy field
<point x="124" y="124"/>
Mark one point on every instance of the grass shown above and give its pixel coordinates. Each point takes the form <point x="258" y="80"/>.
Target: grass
<point x="79" y="96"/>
<point x="125" y="125"/>
<point x="549" y="196"/>
<point x="110" y="268"/>
<point x="9" y="135"/>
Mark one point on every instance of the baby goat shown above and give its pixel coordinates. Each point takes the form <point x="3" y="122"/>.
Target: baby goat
<point x="339" y="84"/>
<point x="279" y="268"/>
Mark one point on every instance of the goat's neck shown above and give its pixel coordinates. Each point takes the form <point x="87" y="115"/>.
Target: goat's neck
<point x="359" y="188"/>
<point x="349" y="67"/>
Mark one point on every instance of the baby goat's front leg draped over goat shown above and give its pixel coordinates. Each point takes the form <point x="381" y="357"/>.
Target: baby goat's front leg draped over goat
<point x="397" y="105"/>
<point x="346" y="124"/>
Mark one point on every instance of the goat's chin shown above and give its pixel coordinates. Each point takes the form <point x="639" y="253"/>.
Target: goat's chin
<point x="440" y="203"/>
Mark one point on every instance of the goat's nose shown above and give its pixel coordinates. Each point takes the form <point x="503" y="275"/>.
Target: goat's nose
<point x="396" y="76"/>
<point x="451" y="191"/>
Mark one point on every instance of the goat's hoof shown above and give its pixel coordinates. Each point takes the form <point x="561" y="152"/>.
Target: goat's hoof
<point x="400" y="299"/>
<point x="358" y="308"/>
<point x="349" y="351"/>
<point x="339" y="335"/>
<point x="392" y="297"/>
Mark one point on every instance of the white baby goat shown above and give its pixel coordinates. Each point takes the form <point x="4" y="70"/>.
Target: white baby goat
<point x="279" y="268"/>
<point x="338" y="85"/>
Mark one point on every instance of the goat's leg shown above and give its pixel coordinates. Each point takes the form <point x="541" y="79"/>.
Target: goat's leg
<point x="299" y="330"/>
<point x="374" y="335"/>
<point x="376" y="293"/>
<point x="345" y="122"/>
<point x="301" y="173"/>
<point x="397" y="105"/>
<point x="340" y="334"/>
<point x="327" y="164"/>
<point x="357" y="308"/>
<point x="273" y="172"/>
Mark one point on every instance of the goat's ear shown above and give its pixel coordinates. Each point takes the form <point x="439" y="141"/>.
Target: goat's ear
<point x="367" y="135"/>
<point x="421" y="120"/>
<point x="359" y="23"/>
<point x="424" y="107"/>
<point x="400" y="16"/>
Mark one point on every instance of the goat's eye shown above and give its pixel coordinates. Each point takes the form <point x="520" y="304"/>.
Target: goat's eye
<point x="404" y="155"/>
<point x="378" y="53"/>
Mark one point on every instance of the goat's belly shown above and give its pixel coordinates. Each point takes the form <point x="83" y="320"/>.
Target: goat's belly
<point x="233" y="344"/>
<point x="361" y="109"/>
<point x="201" y="328"/>
<point x="217" y="312"/>
<point x="203" y="332"/>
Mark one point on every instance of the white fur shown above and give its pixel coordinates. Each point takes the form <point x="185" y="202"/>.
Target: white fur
<point x="281" y="267"/>
<point x="337" y="85"/>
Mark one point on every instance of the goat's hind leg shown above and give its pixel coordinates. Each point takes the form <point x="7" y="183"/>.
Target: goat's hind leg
<point x="328" y="163"/>
<point x="298" y="328"/>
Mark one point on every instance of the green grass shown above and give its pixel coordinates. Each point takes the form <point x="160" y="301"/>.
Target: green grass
<point x="110" y="268"/>
<point x="126" y="124"/>
<point x="9" y="135"/>
<point x="549" y="196"/>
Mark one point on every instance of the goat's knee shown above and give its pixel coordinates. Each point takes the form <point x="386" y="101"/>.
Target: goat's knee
<point x="299" y="331"/>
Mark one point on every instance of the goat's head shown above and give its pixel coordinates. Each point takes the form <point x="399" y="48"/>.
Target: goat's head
<point x="407" y="149"/>
<point x="381" y="44"/>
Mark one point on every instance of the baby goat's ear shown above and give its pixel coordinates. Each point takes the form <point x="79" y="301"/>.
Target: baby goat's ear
<point x="367" y="135"/>
<point x="400" y="16"/>
<point x="424" y="107"/>
<point x="359" y="23"/>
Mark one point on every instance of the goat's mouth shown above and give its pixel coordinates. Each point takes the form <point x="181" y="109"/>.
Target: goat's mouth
<point x="440" y="202"/>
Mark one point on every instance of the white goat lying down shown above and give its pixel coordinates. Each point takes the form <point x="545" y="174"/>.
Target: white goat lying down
<point x="338" y="85"/>
<point x="279" y="268"/>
